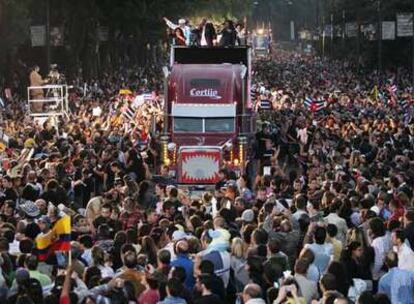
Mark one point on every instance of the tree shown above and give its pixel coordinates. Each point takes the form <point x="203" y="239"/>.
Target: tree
<point x="14" y="30"/>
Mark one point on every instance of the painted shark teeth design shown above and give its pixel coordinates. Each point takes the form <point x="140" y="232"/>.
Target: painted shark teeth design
<point x="200" y="167"/>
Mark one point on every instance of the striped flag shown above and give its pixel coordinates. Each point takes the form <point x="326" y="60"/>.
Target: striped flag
<point x="149" y="96"/>
<point x="308" y="102"/>
<point x="393" y="95"/>
<point x="265" y="104"/>
<point x="253" y="94"/>
<point x="408" y="115"/>
<point x="404" y="103"/>
<point x="129" y="112"/>
<point x="393" y="89"/>
<point x="314" y="106"/>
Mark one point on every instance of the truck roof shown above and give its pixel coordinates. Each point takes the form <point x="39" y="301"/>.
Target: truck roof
<point x="205" y="83"/>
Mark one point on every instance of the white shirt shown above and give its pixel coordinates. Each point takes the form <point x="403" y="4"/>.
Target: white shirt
<point x="87" y="256"/>
<point x="106" y="271"/>
<point x="296" y="216"/>
<point x="323" y="255"/>
<point x="170" y="248"/>
<point x="14" y="248"/>
<point x="405" y="257"/>
<point x="381" y="247"/>
<point x="203" y="41"/>
<point x="340" y="223"/>
<point x="313" y="273"/>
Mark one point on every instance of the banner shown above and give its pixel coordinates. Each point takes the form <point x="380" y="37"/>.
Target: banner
<point x="103" y="33"/>
<point x="369" y="31"/>
<point x="328" y="30"/>
<point x="388" y="30"/>
<point x="404" y="25"/>
<point x="38" y="35"/>
<point x="56" y="36"/>
<point x="351" y="29"/>
<point x="338" y="31"/>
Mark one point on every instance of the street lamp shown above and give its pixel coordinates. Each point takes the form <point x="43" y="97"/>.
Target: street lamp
<point x="243" y="73"/>
<point x="166" y="73"/>
<point x="47" y="29"/>
<point x="379" y="9"/>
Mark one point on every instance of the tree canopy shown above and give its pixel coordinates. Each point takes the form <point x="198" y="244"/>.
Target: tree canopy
<point x="136" y="32"/>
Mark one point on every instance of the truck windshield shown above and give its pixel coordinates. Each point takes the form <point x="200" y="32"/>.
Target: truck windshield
<point x="186" y="124"/>
<point x="222" y="124"/>
<point x="204" y="125"/>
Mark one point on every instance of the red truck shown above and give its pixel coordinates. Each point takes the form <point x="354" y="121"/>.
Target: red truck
<point x="208" y="118"/>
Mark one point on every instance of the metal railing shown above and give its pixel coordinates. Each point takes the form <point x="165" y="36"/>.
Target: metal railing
<point x="48" y="100"/>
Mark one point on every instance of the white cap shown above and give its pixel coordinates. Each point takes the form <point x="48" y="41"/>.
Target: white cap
<point x="375" y="209"/>
<point x="248" y="215"/>
<point x="181" y="21"/>
<point x="179" y="235"/>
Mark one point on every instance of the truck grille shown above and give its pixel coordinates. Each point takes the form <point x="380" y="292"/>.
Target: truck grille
<point x="200" y="166"/>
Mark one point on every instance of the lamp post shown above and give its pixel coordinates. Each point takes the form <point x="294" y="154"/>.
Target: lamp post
<point x="243" y="73"/>
<point x="412" y="59"/>
<point x="332" y="32"/>
<point x="343" y="29"/>
<point x="166" y="73"/>
<point x="47" y="29"/>
<point x="379" y="9"/>
<point x="242" y="152"/>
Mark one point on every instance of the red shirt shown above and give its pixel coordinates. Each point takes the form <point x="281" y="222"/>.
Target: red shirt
<point x="149" y="296"/>
<point x="397" y="214"/>
<point x="130" y="220"/>
<point x="64" y="300"/>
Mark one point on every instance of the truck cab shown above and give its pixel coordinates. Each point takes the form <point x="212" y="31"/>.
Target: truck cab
<point x="207" y="115"/>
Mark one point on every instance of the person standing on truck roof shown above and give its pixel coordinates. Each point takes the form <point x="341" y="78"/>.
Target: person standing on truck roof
<point x="241" y="34"/>
<point x="206" y="33"/>
<point x="229" y="35"/>
<point x="181" y="32"/>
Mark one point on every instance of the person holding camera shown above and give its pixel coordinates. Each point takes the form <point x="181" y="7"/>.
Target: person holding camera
<point x="289" y="293"/>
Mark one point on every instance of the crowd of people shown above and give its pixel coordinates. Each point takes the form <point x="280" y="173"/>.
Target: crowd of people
<point x="325" y="216"/>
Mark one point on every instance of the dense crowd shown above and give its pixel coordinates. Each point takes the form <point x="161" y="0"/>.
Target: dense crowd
<point x="323" y="215"/>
